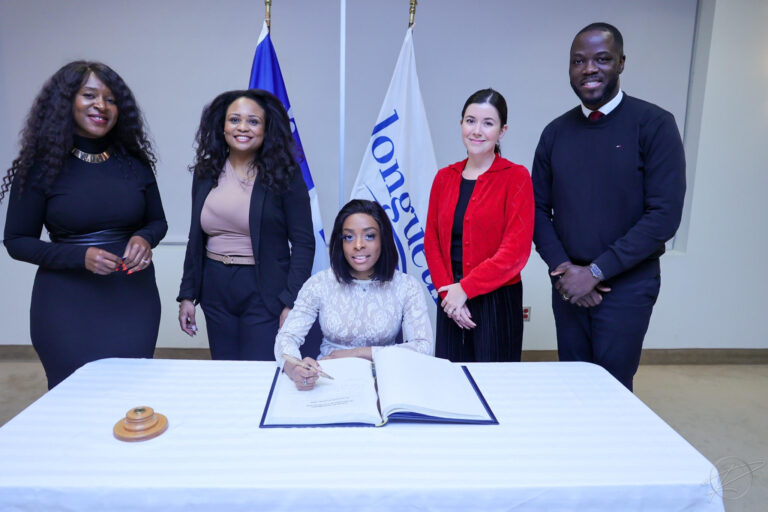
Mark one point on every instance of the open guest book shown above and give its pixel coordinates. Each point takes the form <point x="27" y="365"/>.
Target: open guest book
<point x="400" y="385"/>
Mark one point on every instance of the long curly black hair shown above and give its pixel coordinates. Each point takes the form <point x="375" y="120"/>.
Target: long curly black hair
<point x="275" y="159"/>
<point x="48" y="136"/>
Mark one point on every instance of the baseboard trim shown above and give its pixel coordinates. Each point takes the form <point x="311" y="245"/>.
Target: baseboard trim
<point x="705" y="356"/>
<point x="182" y="353"/>
<point x="678" y="355"/>
<point x="650" y="356"/>
<point x="27" y="353"/>
<point x="536" y="356"/>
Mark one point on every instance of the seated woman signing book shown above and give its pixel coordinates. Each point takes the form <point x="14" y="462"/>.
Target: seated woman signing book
<point x="362" y="301"/>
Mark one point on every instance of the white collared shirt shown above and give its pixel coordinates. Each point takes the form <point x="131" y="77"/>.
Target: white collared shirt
<point x="608" y="107"/>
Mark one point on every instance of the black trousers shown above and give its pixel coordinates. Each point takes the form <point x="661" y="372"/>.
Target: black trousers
<point x="610" y="334"/>
<point x="239" y="325"/>
<point x="498" y="336"/>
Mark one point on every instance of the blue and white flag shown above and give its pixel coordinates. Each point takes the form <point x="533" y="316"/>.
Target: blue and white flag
<point x="399" y="165"/>
<point x="265" y="74"/>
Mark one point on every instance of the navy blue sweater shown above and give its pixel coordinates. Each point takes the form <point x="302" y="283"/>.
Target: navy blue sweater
<point x="608" y="191"/>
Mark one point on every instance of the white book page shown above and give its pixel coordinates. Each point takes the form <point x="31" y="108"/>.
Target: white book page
<point x="413" y="382"/>
<point x="349" y="398"/>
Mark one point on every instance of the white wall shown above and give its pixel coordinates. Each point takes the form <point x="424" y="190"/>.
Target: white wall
<point x="177" y="55"/>
<point x="714" y="294"/>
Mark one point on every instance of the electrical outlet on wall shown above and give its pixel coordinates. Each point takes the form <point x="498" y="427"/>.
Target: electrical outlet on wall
<point x="526" y="313"/>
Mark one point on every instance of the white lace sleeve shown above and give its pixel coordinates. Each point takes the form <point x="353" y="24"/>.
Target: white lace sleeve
<point x="416" y="328"/>
<point x="299" y="321"/>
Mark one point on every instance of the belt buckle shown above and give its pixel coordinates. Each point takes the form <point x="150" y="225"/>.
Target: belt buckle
<point x="227" y="259"/>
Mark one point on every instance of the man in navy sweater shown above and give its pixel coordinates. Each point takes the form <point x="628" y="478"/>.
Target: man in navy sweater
<point x="609" y="182"/>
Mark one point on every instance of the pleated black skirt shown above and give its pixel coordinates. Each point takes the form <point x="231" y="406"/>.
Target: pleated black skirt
<point x="498" y="336"/>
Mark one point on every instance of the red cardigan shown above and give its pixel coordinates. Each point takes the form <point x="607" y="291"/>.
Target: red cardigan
<point x="498" y="227"/>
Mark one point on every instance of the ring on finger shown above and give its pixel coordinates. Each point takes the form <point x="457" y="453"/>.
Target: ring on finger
<point x="145" y="261"/>
<point x="304" y="382"/>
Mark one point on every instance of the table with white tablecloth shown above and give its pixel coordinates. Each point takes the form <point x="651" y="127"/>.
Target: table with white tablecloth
<point x="570" y="437"/>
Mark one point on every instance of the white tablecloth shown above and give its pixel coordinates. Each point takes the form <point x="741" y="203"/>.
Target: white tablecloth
<point x="570" y="438"/>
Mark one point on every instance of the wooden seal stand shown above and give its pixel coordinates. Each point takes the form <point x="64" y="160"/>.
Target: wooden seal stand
<point x="140" y="423"/>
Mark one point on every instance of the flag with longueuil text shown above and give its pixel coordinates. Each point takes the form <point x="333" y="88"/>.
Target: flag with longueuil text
<point x="266" y="74"/>
<point x="399" y="165"/>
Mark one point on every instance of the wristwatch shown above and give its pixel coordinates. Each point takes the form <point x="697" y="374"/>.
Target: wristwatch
<point x="596" y="272"/>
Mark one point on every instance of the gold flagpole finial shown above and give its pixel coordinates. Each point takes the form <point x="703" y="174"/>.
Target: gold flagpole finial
<point x="268" y="15"/>
<point x="412" y="12"/>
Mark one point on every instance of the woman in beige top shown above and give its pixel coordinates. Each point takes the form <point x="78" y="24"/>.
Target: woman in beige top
<point x="251" y="244"/>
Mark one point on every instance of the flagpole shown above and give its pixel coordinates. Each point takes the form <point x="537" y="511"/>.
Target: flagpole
<point x="268" y="13"/>
<point x="412" y="12"/>
<point x="342" y="95"/>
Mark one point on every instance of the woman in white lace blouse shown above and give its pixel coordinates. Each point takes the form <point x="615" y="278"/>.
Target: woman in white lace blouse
<point x="362" y="300"/>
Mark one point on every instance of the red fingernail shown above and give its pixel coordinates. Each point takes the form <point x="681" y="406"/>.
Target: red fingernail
<point x="130" y="272"/>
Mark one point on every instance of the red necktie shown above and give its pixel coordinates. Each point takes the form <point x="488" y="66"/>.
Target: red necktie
<point x="594" y="116"/>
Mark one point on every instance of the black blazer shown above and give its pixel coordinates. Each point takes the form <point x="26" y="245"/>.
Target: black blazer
<point x="275" y="221"/>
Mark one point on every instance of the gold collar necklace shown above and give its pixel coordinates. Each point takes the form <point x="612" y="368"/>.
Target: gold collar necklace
<point x="92" y="158"/>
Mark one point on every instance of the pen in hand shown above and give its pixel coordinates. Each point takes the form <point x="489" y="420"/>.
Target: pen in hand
<point x="298" y="362"/>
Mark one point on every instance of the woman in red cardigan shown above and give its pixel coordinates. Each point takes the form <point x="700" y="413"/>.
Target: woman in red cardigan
<point x="478" y="239"/>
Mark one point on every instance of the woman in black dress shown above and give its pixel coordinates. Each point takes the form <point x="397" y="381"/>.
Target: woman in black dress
<point x="251" y="243"/>
<point x="85" y="172"/>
